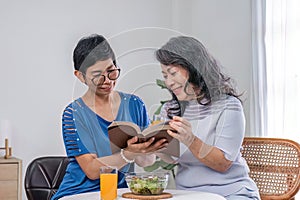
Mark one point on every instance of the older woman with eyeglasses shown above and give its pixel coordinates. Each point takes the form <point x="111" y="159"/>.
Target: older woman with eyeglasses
<point x="85" y="121"/>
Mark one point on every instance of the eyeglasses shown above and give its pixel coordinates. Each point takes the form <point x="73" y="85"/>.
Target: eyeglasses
<point x="112" y="74"/>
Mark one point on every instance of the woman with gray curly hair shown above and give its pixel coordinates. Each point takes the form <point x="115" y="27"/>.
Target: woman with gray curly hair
<point x="207" y="116"/>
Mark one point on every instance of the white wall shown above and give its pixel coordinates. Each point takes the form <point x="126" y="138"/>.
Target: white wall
<point x="225" y="29"/>
<point x="37" y="39"/>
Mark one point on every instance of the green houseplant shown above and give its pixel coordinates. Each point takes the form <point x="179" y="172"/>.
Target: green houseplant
<point x="160" y="164"/>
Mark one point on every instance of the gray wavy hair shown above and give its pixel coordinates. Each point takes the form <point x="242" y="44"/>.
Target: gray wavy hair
<point x="204" y="70"/>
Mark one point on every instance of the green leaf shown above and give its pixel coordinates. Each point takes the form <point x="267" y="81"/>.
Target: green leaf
<point x="161" y="83"/>
<point x="157" y="112"/>
<point x="166" y="166"/>
<point x="159" y="164"/>
<point x="153" y="167"/>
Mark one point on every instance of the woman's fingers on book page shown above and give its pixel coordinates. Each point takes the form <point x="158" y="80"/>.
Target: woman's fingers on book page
<point x="160" y="144"/>
<point x="135" y="147"/>
<point x="185" y="136"/>
<point x="148" y="146"/>
<point x="132" y="140"/>
<point x="153" y="145"/>
<point x="181" y="120"/>
<point x="140" y="147"/>
<point x="173" y="134"/>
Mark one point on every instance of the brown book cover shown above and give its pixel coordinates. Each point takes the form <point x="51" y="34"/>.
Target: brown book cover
<point x="120" y="131"/>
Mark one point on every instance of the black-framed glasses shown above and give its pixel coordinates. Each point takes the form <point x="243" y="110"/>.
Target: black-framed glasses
<point x="112" y="74"/>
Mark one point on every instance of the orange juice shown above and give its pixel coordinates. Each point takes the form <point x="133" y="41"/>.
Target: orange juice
<point x="108" y="186"/>
<point x="157" y="119"/>
<point x="156" y="122"/>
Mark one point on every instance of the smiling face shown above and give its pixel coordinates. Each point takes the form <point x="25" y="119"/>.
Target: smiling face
<point x="96" y="72"/>
<point x="176" y="79"/>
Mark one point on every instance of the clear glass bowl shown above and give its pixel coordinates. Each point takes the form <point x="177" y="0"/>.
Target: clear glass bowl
<point x="146" y="183"/>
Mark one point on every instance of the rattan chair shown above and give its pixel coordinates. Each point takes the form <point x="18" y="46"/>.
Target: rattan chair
<point x="274" y="165"/>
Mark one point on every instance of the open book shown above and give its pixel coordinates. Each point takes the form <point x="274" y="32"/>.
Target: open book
<point x="120" y="131"/>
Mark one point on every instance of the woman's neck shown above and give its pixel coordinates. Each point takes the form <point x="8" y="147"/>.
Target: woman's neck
<point x="93" y="99"/>
<point x="106" y="106"/>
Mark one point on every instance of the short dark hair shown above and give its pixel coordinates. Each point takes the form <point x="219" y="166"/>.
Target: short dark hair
<point x="91" y="49"/>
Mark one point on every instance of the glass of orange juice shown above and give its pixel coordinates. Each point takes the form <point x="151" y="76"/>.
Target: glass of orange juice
<point x="108" y="182"/>
<point x="157" y="119"/>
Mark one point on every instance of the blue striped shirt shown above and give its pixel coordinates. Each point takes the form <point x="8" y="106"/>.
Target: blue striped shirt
<point x="85" y="132"/>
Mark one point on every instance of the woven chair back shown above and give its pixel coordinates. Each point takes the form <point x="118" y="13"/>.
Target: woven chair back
<point x="274" y="165"/>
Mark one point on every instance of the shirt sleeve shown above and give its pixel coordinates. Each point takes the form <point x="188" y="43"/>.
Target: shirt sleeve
<point x="72" y="141"/>
<point x="139" y="112"/>
<point x="230" y="132"/>
<point x="163" y="111"/>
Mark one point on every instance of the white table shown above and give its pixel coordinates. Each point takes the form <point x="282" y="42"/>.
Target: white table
<point x="177" y="194"/>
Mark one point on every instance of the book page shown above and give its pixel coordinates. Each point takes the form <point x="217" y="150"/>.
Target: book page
<point x="125" y="124"/>
<point x="154" y="129"/>
<point x="159" y="131"/>
<point x="120" y="132"/>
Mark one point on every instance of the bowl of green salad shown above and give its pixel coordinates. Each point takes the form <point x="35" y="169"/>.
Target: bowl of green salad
<point x="147" y="183"/>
